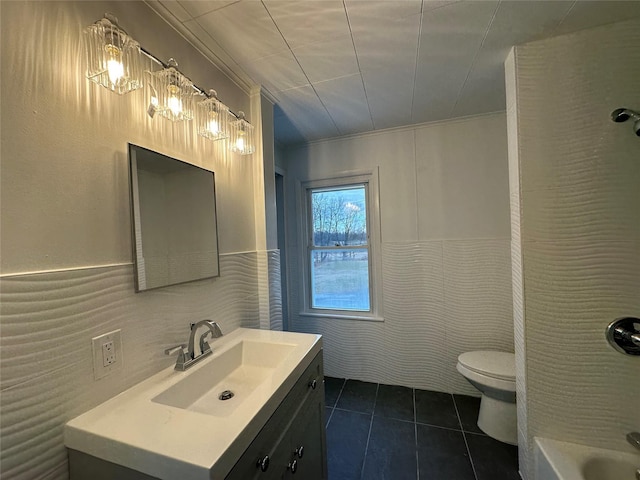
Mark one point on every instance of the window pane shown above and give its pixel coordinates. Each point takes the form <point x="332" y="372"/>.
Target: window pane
<point x="340" y="279"/>
<point x="339" y="217"/>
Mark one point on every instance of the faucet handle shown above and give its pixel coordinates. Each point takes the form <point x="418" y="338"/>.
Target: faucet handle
<point x="175" y="349"/>
<point x="634" y="439"/>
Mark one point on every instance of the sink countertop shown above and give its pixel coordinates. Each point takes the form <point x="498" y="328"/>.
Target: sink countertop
<point x="168" y="442"/>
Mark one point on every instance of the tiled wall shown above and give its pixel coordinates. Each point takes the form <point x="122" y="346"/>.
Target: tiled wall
<point x="446" y="272"/>
<point x="576" y="208"/>
<point x="275" y="290"/>
<point x="516" y="262"/>
<point x="48" y="321"/>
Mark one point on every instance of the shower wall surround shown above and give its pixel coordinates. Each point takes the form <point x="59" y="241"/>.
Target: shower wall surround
<point x="576" y="235"/>
<point x="446" y="271"/>
<point x="67" y="272"/>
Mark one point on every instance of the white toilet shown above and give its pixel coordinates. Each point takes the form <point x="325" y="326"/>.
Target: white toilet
<point x="494" y="374"/>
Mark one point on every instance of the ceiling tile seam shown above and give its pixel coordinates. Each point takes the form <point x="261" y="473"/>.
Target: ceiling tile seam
<point x="299" y="65"/>
<point x="415" y="71"/>
<point x="210" y="11"/>
<point x="564" y="17"/>
<point x="475" y="58"/>
<point x="319" y="82"/>
<point x="364" y="87"/>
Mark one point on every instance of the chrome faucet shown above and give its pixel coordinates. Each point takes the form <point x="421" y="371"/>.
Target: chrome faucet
<point x="634" y="439"/>
<point x="215" y="331"/>
<point x="186" y="353"/>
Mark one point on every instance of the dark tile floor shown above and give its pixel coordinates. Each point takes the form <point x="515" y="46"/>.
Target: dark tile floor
<point x="377" y="432"/>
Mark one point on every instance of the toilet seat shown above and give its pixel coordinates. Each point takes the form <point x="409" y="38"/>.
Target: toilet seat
<point x="497" y="365"/>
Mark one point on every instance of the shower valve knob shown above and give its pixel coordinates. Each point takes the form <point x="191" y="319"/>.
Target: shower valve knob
<point x="623" y="334"/>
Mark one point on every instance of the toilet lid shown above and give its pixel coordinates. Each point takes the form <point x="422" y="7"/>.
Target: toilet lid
<point x="494" y="364"/>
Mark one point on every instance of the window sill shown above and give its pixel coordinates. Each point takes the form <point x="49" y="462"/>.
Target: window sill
<point x="342" y="316"/>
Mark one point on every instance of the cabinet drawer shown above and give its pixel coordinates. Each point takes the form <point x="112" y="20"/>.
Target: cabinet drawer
<point x="270" y="442"/>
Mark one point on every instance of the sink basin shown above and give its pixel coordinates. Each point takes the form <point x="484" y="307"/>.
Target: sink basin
<point x="173" y="424"/>
<point x="239" y="370"/>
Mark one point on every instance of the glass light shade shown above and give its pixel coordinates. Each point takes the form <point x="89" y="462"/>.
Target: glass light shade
<point x="173" y="94"/>
<point x="113" y="57"/>
<point x="242" y="141"/>
<point x="213" y="118"/>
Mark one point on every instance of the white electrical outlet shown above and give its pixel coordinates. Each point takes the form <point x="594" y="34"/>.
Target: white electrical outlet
<point x="107" y="354"/>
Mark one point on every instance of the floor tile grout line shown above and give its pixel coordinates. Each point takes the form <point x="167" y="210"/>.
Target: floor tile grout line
<point x="415" y="429"/>
<point x="333" y="409"/>
<point x="344" y="382"/>
<point x="464" y="437"/>
<point x="366" y="448"/>
<point x="329" y="419"/>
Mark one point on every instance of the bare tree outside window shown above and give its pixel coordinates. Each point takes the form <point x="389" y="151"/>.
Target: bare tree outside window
<point x="340" y="248"/>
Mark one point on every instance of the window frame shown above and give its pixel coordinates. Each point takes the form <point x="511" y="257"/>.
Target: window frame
<point x="306" y="245"/>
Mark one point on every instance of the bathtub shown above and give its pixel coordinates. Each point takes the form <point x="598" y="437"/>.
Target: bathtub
<point x="555" y="460"/>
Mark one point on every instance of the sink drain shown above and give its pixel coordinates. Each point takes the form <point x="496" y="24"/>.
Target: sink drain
<point x="226" y="395"/>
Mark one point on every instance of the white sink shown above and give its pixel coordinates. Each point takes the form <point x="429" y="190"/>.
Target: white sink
<point x="240" y="370"/>
<point x="173" y="425"/>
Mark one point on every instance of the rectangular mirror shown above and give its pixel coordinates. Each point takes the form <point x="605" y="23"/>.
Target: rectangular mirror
<point x="175" y="232"/>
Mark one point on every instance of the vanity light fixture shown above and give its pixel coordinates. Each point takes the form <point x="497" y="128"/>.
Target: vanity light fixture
<point x="115" y="61"/>
<point x="113" y="57"/>
<point x="173" y="93"/>
<point x="212" y="117"/>
<point x="241" y="136"/>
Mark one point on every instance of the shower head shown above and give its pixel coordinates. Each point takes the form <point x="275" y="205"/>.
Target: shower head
<point x="620" y="115"/>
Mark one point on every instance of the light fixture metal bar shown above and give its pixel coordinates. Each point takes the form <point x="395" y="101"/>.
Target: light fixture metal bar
<point x="201" y="91"/>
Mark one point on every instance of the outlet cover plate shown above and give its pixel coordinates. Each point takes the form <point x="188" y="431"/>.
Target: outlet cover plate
<point x="101" y="370"/>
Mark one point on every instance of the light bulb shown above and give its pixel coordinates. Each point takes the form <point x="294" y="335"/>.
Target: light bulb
<point x="115" y="69"/>
<point x="173" y="102"/>
<point x="240" y="144"/>
<point x="213" y="126"/>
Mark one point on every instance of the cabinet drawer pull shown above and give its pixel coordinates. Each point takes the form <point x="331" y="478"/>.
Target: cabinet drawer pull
<point x="313" y="384"/>
<point x="293" y="466"/>
<point x="263" y="463"/>
<point x="299" y="451"/>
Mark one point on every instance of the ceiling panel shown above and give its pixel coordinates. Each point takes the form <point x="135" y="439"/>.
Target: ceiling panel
<point x="308" y="22"/>
<point x="390" y="96"/>
<point x="197" y="8"/>
<point x="305" y="108"/>
<point x="176" y="9"/>
<point x="361" y="12"/>
<point x="277" y="72"/>
<point x="513" y="24"/>
<point x="245" y="30"/>
<point x="451" y="38"/>
<point x="385" y="43"/>
<point x="519" y="22"/>
<point x="588" y="14"/>
<point x="333" y="58"/>
<point x="346" y="102"/>
<point x="419" y="60"/>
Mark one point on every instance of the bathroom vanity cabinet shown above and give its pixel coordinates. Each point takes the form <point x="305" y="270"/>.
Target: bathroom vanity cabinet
<point x="290" y="445"/>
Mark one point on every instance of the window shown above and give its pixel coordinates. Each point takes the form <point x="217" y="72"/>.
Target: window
<point x="340" y="246"/>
